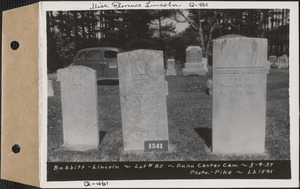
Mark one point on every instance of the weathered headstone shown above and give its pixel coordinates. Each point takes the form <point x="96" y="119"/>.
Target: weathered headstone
<point x="204" y="60"/>
<point x="282" y="62"/>
<point x="171" y="67"/>
<point x="273" y="59"/>
<point x="143" y="100"/>
<point x="239" y="95"/>
<point x="193" y="54"/>
<point x="50" y="88"/>
<point x="79" y="107"/>
<point x="194" y="64"/>
<point x="286" y="59"/>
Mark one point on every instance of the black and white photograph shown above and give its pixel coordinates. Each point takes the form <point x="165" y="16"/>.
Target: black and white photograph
<point x="166" y="92"/>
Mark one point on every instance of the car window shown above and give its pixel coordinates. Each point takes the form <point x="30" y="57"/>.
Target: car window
<point x="82" y="56"/>
<point x="110" y="54"/>
<point x="93" y="55"/>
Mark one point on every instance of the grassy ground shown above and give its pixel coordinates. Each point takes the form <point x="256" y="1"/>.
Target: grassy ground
<point x="189" y="113"/>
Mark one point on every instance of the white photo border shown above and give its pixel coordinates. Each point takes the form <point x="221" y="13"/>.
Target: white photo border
<point x="203" y="183"/>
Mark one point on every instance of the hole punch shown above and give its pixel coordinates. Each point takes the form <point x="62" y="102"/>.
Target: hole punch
<point x="14" y="45"/>
<point x="16" y="148"/>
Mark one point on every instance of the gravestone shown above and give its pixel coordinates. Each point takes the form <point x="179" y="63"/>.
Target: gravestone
<point x="204" y="60"/>
<point x="194" y="64"/>
<point x="273" y="59"/>
<point x="286" y="59"/>
<point x="50" y="88"/>
<point x="239" y="95"/>
<point x="282" y="62"/>
<point x="143" y="100"/>
<point x="171" y="67"/>
<point x="79" y="107"/>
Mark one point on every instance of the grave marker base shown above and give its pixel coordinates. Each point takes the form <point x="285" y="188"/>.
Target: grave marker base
<point x="194" y="71"/>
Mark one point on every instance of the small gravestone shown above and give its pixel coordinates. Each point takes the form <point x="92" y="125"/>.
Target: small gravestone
<point x="50" y="88"/>
<point x="209" y="85"/>
<point x="239" y="95"/>
<point x="282" y="62"/>
<point x="79" y="107"/>
<point x="171" y="67"/>
<point x="286" y="59"/>
<point x="204" y="60"/>
<point x="273" y="59"/>
<point x="143" y="100"/>
<point x="194" y="64"/>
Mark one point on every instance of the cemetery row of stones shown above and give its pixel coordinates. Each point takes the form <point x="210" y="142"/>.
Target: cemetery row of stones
<point x="239" y="97"/>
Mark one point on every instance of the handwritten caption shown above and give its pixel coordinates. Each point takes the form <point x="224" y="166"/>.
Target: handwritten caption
<point x="92" y="172"/>
<point x="146" y="4"/>
<point x="95" y="183"/>
<point x="194" y="168"/>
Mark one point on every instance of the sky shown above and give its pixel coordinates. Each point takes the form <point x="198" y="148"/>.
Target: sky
<point x="179" y="27"/>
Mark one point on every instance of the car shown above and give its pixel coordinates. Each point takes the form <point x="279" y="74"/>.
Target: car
<point x="102" y="59"/>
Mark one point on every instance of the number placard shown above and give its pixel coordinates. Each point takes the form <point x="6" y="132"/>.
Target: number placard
<point x="156" y="145"/>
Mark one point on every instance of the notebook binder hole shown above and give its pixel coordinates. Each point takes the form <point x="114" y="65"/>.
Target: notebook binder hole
<point x="16" y="148"/>
<point x="14" y="45"/>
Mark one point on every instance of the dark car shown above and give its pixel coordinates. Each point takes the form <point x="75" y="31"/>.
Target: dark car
<point x="102" y="59"/>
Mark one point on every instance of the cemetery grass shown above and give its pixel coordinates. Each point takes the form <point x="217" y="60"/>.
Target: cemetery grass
<point x="189" y="113"/>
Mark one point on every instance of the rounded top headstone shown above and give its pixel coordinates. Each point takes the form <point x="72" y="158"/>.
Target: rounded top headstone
<point x="65" y="73"/>
<point x="193" y="48"/>
<point x="230" y="36"/>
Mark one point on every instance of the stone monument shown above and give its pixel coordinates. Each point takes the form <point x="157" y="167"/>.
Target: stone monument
<point x="204" y="60"/>
<point x="194" y="64"/>
<point x="286" y="59"/>
<point x="282" y="62"/>
<point x="239" y="95"/>
<point x="143" y="100"/>
<point x="273" y="59"/>
<point x="171" y="67"/>
<point x="79" y="107"/>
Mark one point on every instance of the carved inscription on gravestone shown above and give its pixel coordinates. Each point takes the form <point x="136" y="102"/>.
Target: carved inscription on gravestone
<point x="239" y="95"/>
<point x="143" y="99"/>
<point x="79" y="107"/>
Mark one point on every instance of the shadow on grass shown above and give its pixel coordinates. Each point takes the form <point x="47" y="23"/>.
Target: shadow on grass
<point x="206" y="135"/>
<point x="101" y="136"/>
<point x="108" y="82"/>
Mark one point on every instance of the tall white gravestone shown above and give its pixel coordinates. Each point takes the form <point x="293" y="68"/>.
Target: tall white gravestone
<point x="143" y="100"/>
<point x="239" y="95"/>
<point x="194" y="64"/>
<point x="79" y="107"/>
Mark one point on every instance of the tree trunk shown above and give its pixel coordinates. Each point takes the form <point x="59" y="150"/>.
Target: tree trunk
<point x="159" y="27"/>
<point x="208" y="44"/>
<point x="200" y="30"/>
<point x="83" y="26"/>
<point x="76" y="30"/>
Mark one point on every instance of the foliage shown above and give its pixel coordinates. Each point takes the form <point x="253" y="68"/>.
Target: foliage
<point x="263" y="23"/>
<point x="70" y="31"/>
